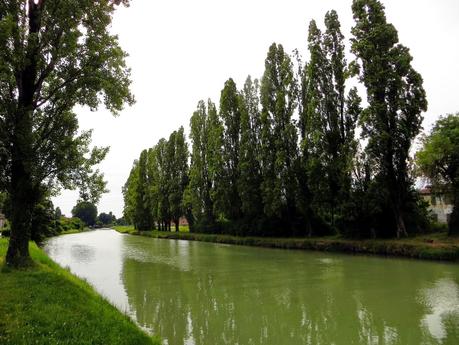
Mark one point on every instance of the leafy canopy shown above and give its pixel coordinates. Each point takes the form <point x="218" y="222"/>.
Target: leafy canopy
<point x="55" y="55"/>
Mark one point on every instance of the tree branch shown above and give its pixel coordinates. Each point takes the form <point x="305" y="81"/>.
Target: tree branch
<point x="40" y="102"/>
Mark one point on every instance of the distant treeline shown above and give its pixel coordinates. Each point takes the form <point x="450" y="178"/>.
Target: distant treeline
<point x="296" y="153"/>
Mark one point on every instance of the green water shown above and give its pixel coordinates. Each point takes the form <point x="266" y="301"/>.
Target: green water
<point x="210" y="294"/>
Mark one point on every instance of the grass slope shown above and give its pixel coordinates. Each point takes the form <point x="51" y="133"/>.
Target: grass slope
<point x="436" y="246"/>
<point x="45" y="304"/>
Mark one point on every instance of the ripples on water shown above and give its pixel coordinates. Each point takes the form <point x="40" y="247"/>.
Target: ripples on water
<point x="201" y="293"/>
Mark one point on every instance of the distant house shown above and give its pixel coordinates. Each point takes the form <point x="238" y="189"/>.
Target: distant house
<point x="182" y="221"/>
<point x="439" y="204"/>
<point x="2" y="220"/>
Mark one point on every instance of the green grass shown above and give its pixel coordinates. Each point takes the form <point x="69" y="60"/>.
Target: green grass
<point x="129" y="229"/>
<point x="436" y="246"/>
<point x="73" y="231"/>
<point x="46" y="304"/>
<point x="125" y="229"/>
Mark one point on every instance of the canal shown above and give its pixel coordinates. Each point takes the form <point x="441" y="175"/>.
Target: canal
<point x="194" y="293"/>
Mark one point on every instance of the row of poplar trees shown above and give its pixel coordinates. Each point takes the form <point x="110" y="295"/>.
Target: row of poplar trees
<point x="296" y="153"/>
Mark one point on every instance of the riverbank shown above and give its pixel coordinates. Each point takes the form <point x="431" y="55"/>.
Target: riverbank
<point x="436" y="246"/>
<point x="46" y="304"/>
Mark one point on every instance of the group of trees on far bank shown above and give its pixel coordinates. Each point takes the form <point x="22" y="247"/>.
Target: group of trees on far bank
<point x="48" y="221"/>
<point x="87" y="212"/>
<point x="153" y="193"/>
<point x="281" y="156"/>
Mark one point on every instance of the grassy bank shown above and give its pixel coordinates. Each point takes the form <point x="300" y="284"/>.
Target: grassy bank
<point x="73" y="231"/>
<point x="129" y="229"/>
<point x="45" y="304"/>
<point x="432" y="247"/>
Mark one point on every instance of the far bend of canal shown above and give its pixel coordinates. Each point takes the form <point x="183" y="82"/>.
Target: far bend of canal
<point x="197" y="293"/>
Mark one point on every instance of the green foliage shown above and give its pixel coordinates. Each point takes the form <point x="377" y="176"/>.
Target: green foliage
<point x="396" y="100"/>
<point x="3" y="197"/>
<point x="54" y="56"/>
<point x="143" y="211"/>
<point x="178" y="180"/>
<point x="204" y="164"/>
<point x="91" y="183"/>
<point x="57" y="213"/>
<point x="129" y="194"/>
<point x="278" y="135"/>
<point x="217" y="175"/>
<point x="106" y="218"/>
<point x="327" y="123"/>
<point x="438" y="160"/>
<point x="85" y="211"/>
<point x="153" y="193"/>
<point x="282" y="158"/>
<point x="67" y="224"/>
<point x="249" y="168"/>
<point x="230" y="114"/>
<point x="43" y="222"/>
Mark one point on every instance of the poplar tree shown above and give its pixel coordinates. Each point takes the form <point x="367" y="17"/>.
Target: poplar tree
<point x="396" y="100"/>
<point x="333" y="117"/>
<point x="279" y="136"/>
<point x="216" y="169"/>
<point x="230" y="114"/>
<point x="200" y="188"/>
<point x="249" y="169"/>
<point x="312" y="171"/>
<point x="153" y="185"/>
<point x="129" y="195"/>
<point x="179" y="174"/>
<point x="143" y="217"/>
<point x="163" y="181"/>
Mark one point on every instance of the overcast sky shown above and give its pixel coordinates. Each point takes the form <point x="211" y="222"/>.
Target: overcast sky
<point x="182" y="51"/>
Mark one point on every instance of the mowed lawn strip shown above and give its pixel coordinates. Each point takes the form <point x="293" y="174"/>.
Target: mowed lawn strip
<point x="46" y="304"/>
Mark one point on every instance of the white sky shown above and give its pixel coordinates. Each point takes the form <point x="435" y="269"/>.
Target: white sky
<point x="182" y="51"/>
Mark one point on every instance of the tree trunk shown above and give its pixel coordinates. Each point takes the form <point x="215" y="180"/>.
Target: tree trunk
<point x="401" y="229"/>
<point x="22" y="191"/>
<point x="453" y="223"/>
<point x="177" y="221"/>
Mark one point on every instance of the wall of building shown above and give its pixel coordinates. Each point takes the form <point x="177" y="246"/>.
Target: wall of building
<point x="439" y="207"/>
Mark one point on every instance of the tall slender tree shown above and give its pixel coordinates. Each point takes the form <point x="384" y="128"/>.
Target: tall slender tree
<point x="153" y="185"/>
<point x="143" y="211"/>
<point x="129" y="195"/>
<point x="249" y="169"/>
<point x="179" y="174"/>
<point x="279" y="136"/>
<point x="329" y="118"/>
<point x="52" y="57"/>
<point x="163" y="181"/>
<point x="230" y="114"/>
<point x="396" y="100"/>
<point x="316" y="85"/>
<point x="217" y="175"/>
<point x="200" y="189"/>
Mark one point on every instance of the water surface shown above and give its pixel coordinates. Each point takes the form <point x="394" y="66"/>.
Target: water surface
<point x="197" y="293"/>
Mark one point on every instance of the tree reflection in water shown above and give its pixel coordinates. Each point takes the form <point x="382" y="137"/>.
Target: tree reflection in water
<point x="200" y="293"/>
